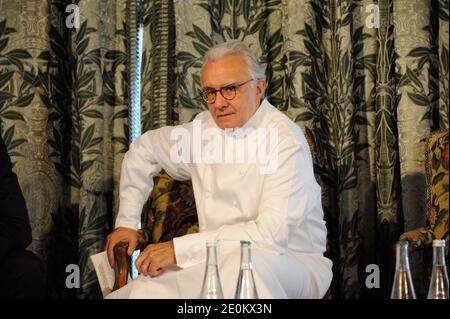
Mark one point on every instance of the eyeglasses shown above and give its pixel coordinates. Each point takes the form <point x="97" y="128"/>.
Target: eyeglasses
<point x="228" y="92"/>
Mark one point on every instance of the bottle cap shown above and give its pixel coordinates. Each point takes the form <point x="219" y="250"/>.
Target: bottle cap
<point x="438" y="243"/>
<point x="403" y="243"/>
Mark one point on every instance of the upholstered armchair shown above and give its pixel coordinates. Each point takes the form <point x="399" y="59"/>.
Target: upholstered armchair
<point x="436" y="167"/>
<point x="169" y="212"/>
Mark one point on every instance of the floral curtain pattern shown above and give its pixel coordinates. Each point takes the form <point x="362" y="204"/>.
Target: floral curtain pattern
<point x="63" y="115"/>
<point x="367" y="90"/>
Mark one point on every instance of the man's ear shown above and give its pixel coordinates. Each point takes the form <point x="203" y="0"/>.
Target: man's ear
<point x="260" y="87"/>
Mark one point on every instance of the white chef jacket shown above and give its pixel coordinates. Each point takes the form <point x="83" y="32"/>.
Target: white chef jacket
<point x="278" y="210"/>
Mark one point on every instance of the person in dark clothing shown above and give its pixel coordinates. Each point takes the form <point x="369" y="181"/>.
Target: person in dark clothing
<point x="21" y="271"/>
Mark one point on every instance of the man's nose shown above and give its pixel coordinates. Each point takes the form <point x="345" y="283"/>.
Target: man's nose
<point x="220" y="101"/>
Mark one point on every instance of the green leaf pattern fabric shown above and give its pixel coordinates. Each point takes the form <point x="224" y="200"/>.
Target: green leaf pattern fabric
<point x="367" y="90"/>
<point x="63" y="115"/>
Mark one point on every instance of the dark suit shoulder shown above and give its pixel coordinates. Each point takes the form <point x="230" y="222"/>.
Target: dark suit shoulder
<point x="15" y="230"/>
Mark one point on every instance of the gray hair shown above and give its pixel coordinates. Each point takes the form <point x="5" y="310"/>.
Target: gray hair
<point x="230" y="47"/>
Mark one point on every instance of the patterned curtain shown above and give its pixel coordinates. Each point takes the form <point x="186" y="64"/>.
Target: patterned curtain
<point x="366" y="80"/>
<point x="63" y="116"/>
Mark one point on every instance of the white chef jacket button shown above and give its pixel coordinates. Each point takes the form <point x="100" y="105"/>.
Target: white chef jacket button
<point x="234" y="203"/>
<point x="242" y="171"/>
<point x="208" y="194"/>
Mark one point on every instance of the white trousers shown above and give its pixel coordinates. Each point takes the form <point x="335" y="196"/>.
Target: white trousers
<point x="291" y="275"/>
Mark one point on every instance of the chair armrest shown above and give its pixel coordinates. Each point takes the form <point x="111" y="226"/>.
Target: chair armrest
<point x="122" y="264"/>
<point x="418" y="238"/>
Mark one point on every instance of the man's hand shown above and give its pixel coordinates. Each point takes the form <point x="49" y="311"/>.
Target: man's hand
<point x="414" y="237"/>
<point x="155" y="258"/>
<point x="121" y="234"/>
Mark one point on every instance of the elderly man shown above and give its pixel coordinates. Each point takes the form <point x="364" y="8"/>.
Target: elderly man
<point x="252" y="175"/>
